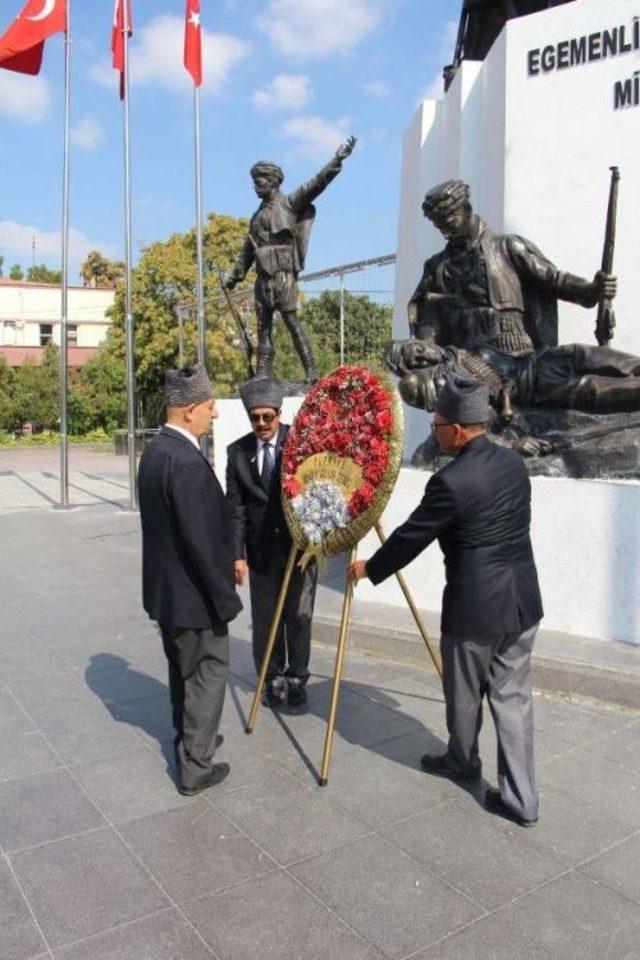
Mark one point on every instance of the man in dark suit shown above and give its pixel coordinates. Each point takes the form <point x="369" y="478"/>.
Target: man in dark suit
<point x="479" y="508"/>
<point x="188" y="583"/>
<point x="261" y="544"/>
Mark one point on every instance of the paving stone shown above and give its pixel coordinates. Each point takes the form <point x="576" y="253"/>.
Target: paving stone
<point x="618" y="869"/>
<point x="386" y="896"/>
<point x="151" y="719"/>
<point x="575" y="829"/>
<point x="133" y="786"/>
<point x="19" y="935"/>
<point x="621" y="746"/>
<point x="575" y="722"/>
<point x="84" y="885"/>
<point x="286" y="819"/>
<point x="85" y="733"/>
<point x="574" y="917"/>
<point x="612" y="788"/>
<point x="24" y="752"/>
<point x="359" y="720"/>
<point x="271" y="917"/>
<point x="486" y="858"/>
<point x="486" y="939"/>
<point x="123" y="683"/>
<point x="29" y="662"/>
<point x="406" y="751"/>
<point x="43" y="807"/>
<point x="195" y="850"/>
<point x="163" y="936"/>
<point x="373" y="788"/>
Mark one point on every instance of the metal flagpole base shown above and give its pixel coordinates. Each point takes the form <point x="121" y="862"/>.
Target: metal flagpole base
<point x="65" y="506"/>
<point x="335" y="693"/>
<point x="273" y="633"/>
<point x="414" y="610"/>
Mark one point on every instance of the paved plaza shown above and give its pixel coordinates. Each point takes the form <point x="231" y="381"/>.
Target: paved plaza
<point x="102" y="858"/>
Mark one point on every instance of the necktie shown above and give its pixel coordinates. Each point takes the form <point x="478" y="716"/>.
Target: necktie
<point x="268" y="465"/>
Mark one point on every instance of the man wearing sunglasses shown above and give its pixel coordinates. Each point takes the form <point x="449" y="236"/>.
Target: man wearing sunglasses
<point x="261" y="545"/>
<point x="479" y="509"/>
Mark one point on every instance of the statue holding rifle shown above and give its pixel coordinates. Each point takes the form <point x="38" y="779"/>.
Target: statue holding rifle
<point x="277" y="245"/>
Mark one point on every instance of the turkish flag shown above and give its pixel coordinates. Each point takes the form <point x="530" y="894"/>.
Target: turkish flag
<point x="22" y="46"/>
<point x="122" y="22"/>
<point x="193" y="41"/>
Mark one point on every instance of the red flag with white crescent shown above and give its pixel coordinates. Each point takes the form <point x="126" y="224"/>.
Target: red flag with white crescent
<point x="193" y="41"/>
<point x="122" y="23"/>
<point x="22" y="46"/>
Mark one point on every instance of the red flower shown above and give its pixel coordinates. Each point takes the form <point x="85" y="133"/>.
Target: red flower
<point x="292" y="488"/>
<point x="361" y="499"/>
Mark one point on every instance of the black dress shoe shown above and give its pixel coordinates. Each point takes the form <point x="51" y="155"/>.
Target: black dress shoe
<point x="494" y="803"/>
<point x="274" y="694"/>
<point x="218" y="773"/>
<point x="297" y="696"/>
<point x="439" y="768"/>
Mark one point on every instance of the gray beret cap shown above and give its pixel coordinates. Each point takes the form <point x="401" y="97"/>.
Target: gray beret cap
<point x="261" y="392"/>
<point x="186" y="386"/>
<point x="463" y="401"/>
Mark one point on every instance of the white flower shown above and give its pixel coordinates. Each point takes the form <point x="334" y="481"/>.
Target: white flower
<point x="321" y="509"/>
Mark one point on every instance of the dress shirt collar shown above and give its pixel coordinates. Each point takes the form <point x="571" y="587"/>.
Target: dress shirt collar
<point x="185" y="433"/>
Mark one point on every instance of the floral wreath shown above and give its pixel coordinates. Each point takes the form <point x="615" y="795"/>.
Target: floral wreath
<point x="341" y="460"/>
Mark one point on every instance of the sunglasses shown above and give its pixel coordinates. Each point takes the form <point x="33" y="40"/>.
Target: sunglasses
<point x="262" y="417"/>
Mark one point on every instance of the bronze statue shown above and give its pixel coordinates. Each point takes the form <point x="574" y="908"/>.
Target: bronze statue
<point x="486" y="306"/>
<point x="277" y="245"/>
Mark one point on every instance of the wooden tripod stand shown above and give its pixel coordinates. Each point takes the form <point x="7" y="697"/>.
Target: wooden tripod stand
<point x="340" y="652"/>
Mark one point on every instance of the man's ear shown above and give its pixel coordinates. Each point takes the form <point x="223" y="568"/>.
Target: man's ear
<point x="188" y="412"/>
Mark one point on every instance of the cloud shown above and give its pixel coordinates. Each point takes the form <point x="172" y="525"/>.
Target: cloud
<point x="157" y="57"/>
<point x="287" y="91"/>
<point x="377" y="88"/>
<point x="87" y="134"/>
<point x="315" y="137"/>
<point x="17" y="239"/>
<point x="317" y="28"/>
<point x="24" y="98"/>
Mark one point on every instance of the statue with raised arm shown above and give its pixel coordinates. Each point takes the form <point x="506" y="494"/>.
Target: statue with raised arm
<point x="277" y="245"/>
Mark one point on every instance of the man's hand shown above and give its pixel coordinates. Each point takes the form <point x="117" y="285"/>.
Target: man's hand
<point x="240" y="571"/>
<point x="605" y="286"/>
<point x="346" y="149"/>
<point x="230" y="282"/>
<point x="533" y="446"/>
<point x="357" y="570"/>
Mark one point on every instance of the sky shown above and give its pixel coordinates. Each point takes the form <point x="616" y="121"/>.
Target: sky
<point x="285" y="80"/>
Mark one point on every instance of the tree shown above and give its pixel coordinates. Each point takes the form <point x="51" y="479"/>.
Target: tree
<point x="35" y="394"/>
<point x="42" y="274"/>
<point x="1" y="266"/>
<point x="164" y="279"/>
<point x="98" y="271"/>
<point x="367" y="327"/>
<point x="16" y="272"/>
<point x="7" y="378"/>
<point x="99" y="392"/>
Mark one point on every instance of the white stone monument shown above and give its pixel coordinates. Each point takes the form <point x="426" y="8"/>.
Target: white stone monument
<point x="534" y="129"/>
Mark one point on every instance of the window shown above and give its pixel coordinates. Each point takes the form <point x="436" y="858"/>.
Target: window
<point x="72" y="334"/>
<point x="8" y="332"/>
<point x="46" y="333"/>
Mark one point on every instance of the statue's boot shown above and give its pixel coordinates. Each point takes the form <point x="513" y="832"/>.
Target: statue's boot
<point x="595" y="394"/>
<point x="264" y="366"/>
<point x="303" y="348"/>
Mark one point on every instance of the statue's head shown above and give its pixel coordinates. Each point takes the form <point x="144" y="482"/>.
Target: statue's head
<point x="266" y="177"/>
<point x="449" y="209"/>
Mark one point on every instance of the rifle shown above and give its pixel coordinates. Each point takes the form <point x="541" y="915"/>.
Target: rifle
<point x="606" y="319"/>
<point x="245" y="339"/>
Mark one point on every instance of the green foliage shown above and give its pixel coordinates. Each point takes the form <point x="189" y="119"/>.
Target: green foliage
<point x="99" y="393"/>
<point x="41" y="274"/>
<point x="7" y="378"/>
<point x="1" y="266"/>
<point x="367" y="327"/>
<point x="16" y="272"/>
<point x="98" y="271"/>
<point x="35" y="392"/>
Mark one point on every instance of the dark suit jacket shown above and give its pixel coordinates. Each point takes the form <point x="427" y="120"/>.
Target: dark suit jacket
<point x="187" y="567"/>
<point x="479" y="508"/>
<point x="259" y="530"/>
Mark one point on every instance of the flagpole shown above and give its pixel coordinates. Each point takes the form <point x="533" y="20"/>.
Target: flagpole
<point x="129" y="327"/>
<point x="64" y="307"/>
<point x="202" y="349"/>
